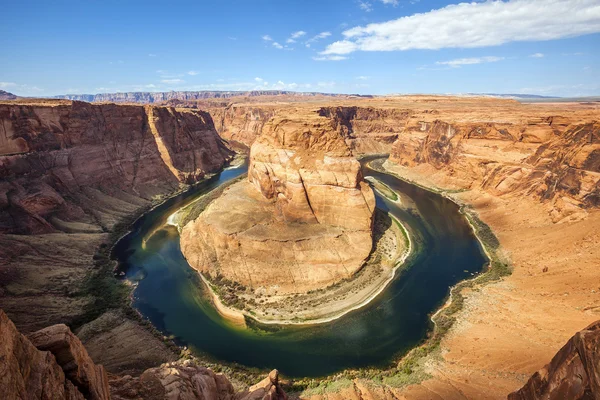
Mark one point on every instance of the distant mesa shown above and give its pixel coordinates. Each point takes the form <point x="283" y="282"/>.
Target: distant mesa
<point x="4" y="95"/>
<point x="157" y="97"/>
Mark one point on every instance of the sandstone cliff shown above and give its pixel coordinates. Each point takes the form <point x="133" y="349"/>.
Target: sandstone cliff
<point x="573" y="373"/>
<point x="303" y="221"/>
<point x="53" y="364"/>
<point x="66" y="166"/>
<point x="69" y="171"/>
<point x="551" y="159"/>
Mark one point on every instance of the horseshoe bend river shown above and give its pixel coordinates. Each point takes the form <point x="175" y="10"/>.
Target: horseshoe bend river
<point x="170" y="294"/>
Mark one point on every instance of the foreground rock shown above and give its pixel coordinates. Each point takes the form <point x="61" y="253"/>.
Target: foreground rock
<point x="53" y="364"/>
<point x="184" y="380"/>
<point x="59" y="369"/>
<point x="302" y="222"/>
<point x="573" y="373"/>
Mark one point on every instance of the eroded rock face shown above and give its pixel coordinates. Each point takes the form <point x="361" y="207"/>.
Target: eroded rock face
<point x="68" y="165"/>
<point x="573" y="373"/>
<point x="27" y="372"/>
<point x="302" y="221"/>
<point x="52" y="364"/>
<point x="550" y="159"/>
<point x="90" y="379"/>
<point x="185" y="380"/>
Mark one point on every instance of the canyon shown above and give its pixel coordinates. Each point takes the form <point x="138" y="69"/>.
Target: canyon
<point x="73" y="173"/>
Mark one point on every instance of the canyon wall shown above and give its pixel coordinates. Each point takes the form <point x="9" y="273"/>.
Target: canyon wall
<point x="66" y="166"/>
<point x="301" y="222"/>
<point x="69" y="171"/>
<point x="554" y="160"/>
<point x="52" y="363"/>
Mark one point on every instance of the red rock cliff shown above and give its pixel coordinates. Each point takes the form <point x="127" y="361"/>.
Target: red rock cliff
<point x="63" y="163"/>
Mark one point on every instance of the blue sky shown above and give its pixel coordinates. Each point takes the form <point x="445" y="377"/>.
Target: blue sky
<point x="548" y="47"/>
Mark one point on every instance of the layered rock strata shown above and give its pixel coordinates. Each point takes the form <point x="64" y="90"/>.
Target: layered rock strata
<point x="573" y="373"/>
<point x="302" y="221"/>
<point x="552" y="160"/>
<point x="69" y="171"/>
<point x="53" y="364"/>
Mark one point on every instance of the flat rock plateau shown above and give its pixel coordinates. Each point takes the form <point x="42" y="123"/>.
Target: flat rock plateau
<point x="72" y="173"/>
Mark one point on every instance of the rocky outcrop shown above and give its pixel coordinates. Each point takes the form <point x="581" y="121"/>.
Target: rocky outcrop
<point x="185" y="380"/>
<point x="550" y="159"/>
<point x="53" y="364"/>
<point x="67" y="166"/>
<point x="241" y="123"/>
<point x="303" y="221"/>
<point x="70" y="171"/>
<point x="368" y="130"/>
<point x="90" y="379"/>
<point x="59" y="369"/>
<point x="573" y="373"/>
<point x="4" y="95"/>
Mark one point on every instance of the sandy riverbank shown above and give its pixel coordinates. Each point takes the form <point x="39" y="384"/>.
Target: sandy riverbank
<point x="328" y="304"/>
<point x="508" y="329"/>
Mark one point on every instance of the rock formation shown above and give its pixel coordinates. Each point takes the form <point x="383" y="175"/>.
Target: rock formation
<point x="69" y="171"/>
<point x="59" y="368"/>
<point x="53" y="364"/>
<point x="573" y="373"/>
<point x="303" y="221"/>
<point x="549" y="159"/>
<point x="4" y="95"/>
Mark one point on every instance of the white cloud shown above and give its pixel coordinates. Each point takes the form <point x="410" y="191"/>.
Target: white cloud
<point x="150" y="86"/>
<point x="267" y="38"/>
<point x="277" y="45"/>
<point x="257" y="79"/>
<point x="365" y="6"/>
<point x="537" y="55"/>
<point x="315" y="38"/>
<point x="192" y="73"/>
<point x="7" y="84"/>
<point x="172" y="81"/>
<point x="151" y="55"/>
<point x="475" y="24"/>
<point x="390" y="2"/>
<point x="297" y="34"/>
<point x="469" y="61"/>
<point x="363" y="78"/>
<point x="330" y="58"/>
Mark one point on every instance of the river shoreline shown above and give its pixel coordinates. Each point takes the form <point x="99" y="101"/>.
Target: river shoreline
<point x="235" y="315"/>
<point x="354" y="373"/>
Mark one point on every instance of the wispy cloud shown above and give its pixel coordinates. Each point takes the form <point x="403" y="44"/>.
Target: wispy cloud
<point x="192" y="73"/>
<point x="537" y="55"/>
<point x="151" y="55"/>
<point x="4" y="85"/>
<point x="365" y="6"/>
<point x="267" y="38"/>
<point x="277" y="45"/>
<point x="317" y="37"/>
<point x="294" y="36"/>
<point x="363" y="78"/>
<point x="330" y="58"/>
<point x="475" y="24"/>
<point x="469" y="61"/>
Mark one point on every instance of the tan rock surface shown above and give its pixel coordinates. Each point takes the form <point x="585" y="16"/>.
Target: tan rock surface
<point x="304" y="221"/>
<point x="90" y="379"/>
